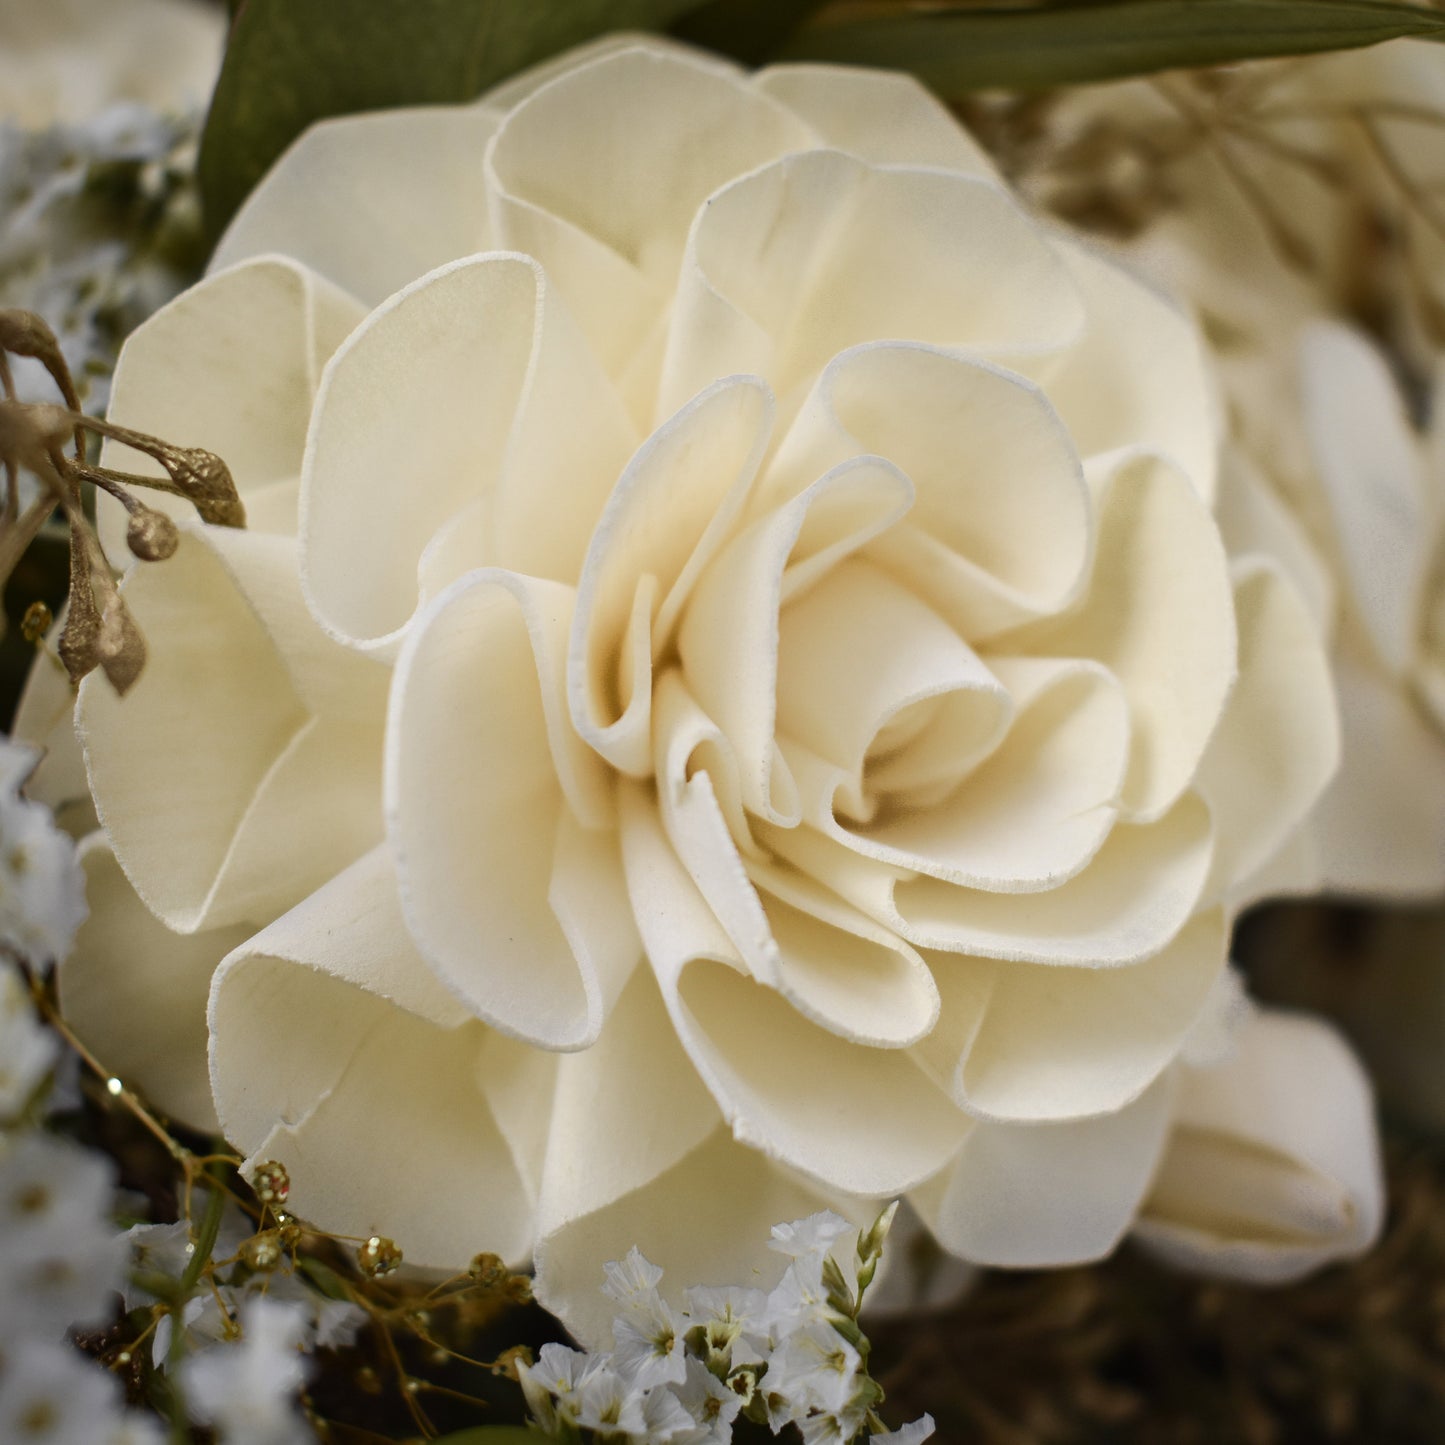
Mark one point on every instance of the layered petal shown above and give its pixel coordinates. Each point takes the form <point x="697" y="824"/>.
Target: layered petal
<point x="403" y="192"/>
<point x="135" y="993"/>
<point x="487" y="793"/>
<point x="1056" y="1044"/>
<point x="232" y="365"/>
<point x="1380" y="829"/>
<point x="1037" y="1195"/>
<point x="819" y="251"/>
<point x="1002" y="529"/>
<point x="670" y="513"/>
<point x="1370" y="467"/>
<point x="606" y="206"/>
<point x="1139" y="377"/>
<point x="795" y="1091"/>
<point x="1278" y="743"/>
<point x="244" y="768"/>
<point x="1028" y="817"/>
<point x="434" y="447"/>
<point x="388" y="1100"/>
<point x="880" y="117"/>
<point x="1159" y="617"/>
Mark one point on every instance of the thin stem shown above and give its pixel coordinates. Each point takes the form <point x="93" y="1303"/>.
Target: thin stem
<point x="15" y="540"/>
<point x="51" y="1014"/>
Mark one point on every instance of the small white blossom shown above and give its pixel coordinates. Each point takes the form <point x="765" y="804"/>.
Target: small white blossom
<point x="631" y="1280"/>
<point x="648" y="1347"/>
<point x="684" y="1378"/>
<point x="709" y="1403"/>
<point x="42" y="887"/>
<point x="912" y="1434"/>
<point x="608" y="1402"/>
<point x="731" y="1316"/>
<point x="28" y="1050"/>
<point x="133" y="1428"/>
<point x="61" y="1258"/>
<point x="247" y="1389"/>
<point x="815" y="1368"/>
<point x="558" y="1374"/>
<point x="811" y="1238"/>
<point x="830" y="1429"/>
<point x="51" y="1395"/>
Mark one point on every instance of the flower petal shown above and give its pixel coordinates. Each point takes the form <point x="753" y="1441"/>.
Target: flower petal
<point x="671" y="511"/>
<point x="1371" y="468"/>
<point x="45" y="718"/>
<point x="135" y="992"/>
<point x="1070" y="1043"/>
<point x="1132" y="898"/>
<point x="1002" y="528"/>
<point x="878" y="116"/>
<point x="384" y="1103"/>
<point x="372" y="201"/>
<point x="728" y="639"/>
<point x="1379" y="829"/>
<point x="231" y="365"/>
<point x="1254" y="521"/>
<point x="877" y="685"/>
<point x="418" y="417"/>
<point x="1278" y="743"/>
<point x="794" y="1091"/>
<point x="605" y="204"/>
<point x="243" y="769"/>
<point x="697" y="1220"/>
<point x="819" y="251"/>
<point x="1273" y="1168"/>
<point x="482" y="776"/>
<point x="839" y="969"/>
<point x="1139" y="376"/>
<point x="1038" y="1195"/>
<point x="1030" y="816"/>
<point x="1159" y="615"/>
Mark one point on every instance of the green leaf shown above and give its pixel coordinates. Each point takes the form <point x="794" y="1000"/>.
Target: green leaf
<point x="292" y="62"/>
<point x="748" y="30"/>
<point x="956" y="48"/>
<point x="493" y="1435"/>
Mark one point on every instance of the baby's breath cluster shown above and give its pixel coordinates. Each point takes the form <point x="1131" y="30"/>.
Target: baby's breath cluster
<point x="794" y="1355"/>
<point x="61" y="1258"/>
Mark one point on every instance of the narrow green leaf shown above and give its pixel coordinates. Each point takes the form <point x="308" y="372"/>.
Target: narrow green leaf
<point x="493" y="1435"/>
<point x="957" y="48"/>
<point x="292" y="62"/>
<point x="748" y="30"/>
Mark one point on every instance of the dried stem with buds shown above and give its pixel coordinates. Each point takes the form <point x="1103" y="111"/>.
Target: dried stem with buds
<point x="49" y="442"/>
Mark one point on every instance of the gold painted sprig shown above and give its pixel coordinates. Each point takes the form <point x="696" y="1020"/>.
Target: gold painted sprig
<point x="49" y="442"/>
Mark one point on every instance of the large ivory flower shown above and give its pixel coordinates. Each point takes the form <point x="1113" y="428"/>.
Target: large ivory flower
<point x="1278" y="199"/>
<point x="732" y="698"/>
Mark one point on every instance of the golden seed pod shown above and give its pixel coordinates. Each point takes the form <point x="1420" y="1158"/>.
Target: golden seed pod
<point x="271" y="1182"/>
<point x="36" y="622"/>
<point x="263" y="1252"/>
<point x="508" y="1361"/>
<point x="151" y="535"/>
<point x="488" y="1270"/>
<point x="379" y="1256"/>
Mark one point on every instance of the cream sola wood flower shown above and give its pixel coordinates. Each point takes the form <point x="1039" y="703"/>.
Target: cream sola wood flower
<point x="732" y="698"/>
<point x="1273" y="201"/>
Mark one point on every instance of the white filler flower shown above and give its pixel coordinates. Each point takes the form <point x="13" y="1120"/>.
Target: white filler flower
<point x="733" y="695"/>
